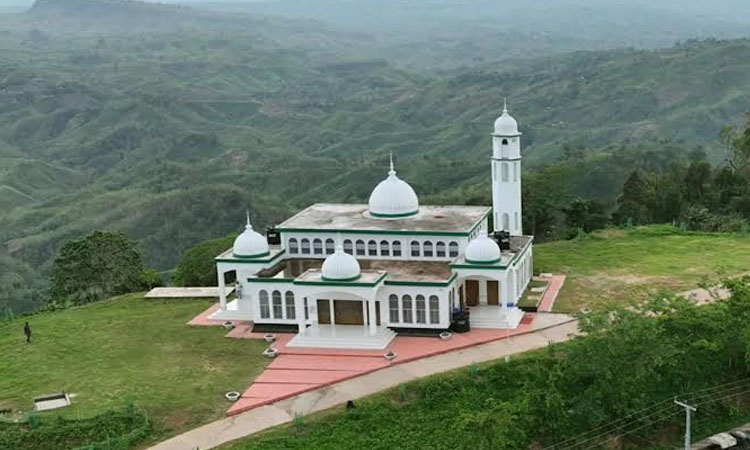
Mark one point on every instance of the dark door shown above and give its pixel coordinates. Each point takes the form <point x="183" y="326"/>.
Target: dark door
<point x="348" y="312"/>
<point x="472" y="292"/>
<point x="493" y="293"/>
<point x="324" y="312"/>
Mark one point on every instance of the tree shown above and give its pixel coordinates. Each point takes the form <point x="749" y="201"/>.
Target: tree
<point x="102" y="264"/>
<point x="631" y="203"/>
<point x="197" y="266"/>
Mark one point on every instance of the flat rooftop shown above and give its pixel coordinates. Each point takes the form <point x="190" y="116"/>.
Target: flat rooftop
<point x="433" y="271"/>
<point x="341" y="217"/>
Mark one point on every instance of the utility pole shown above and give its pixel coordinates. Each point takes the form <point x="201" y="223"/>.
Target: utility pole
<point x="688" y="410"/>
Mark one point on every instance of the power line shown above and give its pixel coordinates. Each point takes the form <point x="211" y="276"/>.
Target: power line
<point x="615" y="425"/>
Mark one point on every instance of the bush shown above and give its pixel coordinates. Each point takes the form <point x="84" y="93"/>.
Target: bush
<point x="197" y="266"/>
<point x="114" y="430"/>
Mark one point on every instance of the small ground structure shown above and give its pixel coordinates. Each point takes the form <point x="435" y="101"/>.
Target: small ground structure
<point x="355" y="275"/>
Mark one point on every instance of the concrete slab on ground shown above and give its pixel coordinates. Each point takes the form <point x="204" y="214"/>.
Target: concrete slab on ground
<point x="188" y="292"/>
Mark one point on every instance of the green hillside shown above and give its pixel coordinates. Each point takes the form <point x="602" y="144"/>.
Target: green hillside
<point x="170" y="133"/>
<point x="127" y="350"/>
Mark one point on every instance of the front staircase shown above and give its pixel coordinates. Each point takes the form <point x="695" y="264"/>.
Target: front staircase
<point x="344" y="337"/>
<point x="491" y="316"/>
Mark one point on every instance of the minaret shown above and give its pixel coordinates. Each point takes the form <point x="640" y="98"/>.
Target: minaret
<point x="506" y="174"/>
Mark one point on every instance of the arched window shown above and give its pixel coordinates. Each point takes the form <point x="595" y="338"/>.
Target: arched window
<point x="428" y="249"/>
<point x="421" y="312"/>
<point x="348" y="247"/>
<point x="506" y="222"/>
<point x="385" y="248"/>
<point x="360" y="247"/>
<point x="453" y="249"/>
<point x="293" y="246"/>
<point x="393" y="308"/>
<point x="372" y="248"/>
<point x="289" y="305"/>
<point x="415" y="250"/>
<point x="518" y="285"/>
<point x="278" y="310"/>
<point x="516" y="214"/>
<point x="407" y="313"/>
<point x="435" y="308"/>
<point x="440" y="249"/>
<point x="396" y="248"/>
<point x="305" y="244"/>
<point x="505" y="171"/>
<point x="330" y="247"/>
<point x="505" y="142"/>
<point x="317" y="246"/>
<point x="494" y="172"/>
<point x="265" y="310"/>
<point x="515" y="171"/>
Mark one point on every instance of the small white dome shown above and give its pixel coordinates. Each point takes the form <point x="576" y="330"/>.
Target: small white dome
<point x="340" y="266"/>
<point x="506" y="125"/>
<point x="482" y="250"/>
<point x="250" y="244"/>
<point x="393" y="197"/>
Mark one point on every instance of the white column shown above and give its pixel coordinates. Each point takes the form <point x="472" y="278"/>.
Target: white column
<point x="373" y="321"/>
<point x="299" y="311"/>
<point x="222" y="294"/>
<point x="330" y="308"/>
<point x="482" y="291"/>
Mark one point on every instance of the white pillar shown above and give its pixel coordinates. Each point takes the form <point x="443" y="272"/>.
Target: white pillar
<point x="222" y="294"/>
<point x="299" y="311"/>
<point x="330" y="308"/>
<point x="373" y="317"/>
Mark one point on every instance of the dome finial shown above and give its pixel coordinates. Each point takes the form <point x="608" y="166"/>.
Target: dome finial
<point x="505" y="105"/>
<point x="392" y="171"/>
<point x="248" y="226"/>
<point x="339" y="244"/>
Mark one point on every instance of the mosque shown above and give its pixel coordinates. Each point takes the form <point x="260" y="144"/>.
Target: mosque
<point x="355" y="275"/>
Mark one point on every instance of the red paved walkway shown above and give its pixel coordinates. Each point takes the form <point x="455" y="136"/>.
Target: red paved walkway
<point x="297" y="370"/>
<point x="550" y="294"/>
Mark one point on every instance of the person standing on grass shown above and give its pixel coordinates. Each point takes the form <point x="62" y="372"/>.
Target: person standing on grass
<point x="27" y="332"/>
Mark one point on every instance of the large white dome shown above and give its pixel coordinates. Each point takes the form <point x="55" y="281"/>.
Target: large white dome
<point x="250" y="244"/>
<point x="506" y="125"/>
<point x="482" y="250"/>
<point x="340" y="266"/>
<point x="393" y="197"/>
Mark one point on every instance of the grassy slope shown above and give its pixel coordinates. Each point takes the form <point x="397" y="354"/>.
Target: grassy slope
<point x="128" y="349"/>
<point x="619" y="264"/>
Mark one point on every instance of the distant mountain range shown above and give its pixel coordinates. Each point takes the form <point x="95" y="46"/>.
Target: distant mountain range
<point x="167" y="122"/>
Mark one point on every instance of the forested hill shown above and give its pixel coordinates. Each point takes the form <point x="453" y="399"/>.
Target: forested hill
<point x="170" y="134"/>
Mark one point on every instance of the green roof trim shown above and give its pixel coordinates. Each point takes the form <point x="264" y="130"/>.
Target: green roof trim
<point x="494" y="261"/>
<point x="383" y="232"/>
<point x="247" y="260"/>
<point x="341" y="283"/>
<point x="257" y="255"/>
<point x="356" y="277"/>
<point x="270" y="280"/>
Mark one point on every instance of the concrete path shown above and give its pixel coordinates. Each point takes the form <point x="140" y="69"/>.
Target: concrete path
<point x="245" y="424"/>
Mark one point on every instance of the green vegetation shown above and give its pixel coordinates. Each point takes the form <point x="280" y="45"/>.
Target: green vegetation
<point x="197" y="266"/>
<point x="115" y="430"/>
<point x="100" y="265"/>
<point x="168" y="131"/>
<point x="127" y="350"/>
<point x="621" y="264"/>
<point x="631" y="359"/>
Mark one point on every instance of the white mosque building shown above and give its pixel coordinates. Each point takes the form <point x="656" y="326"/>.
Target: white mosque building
<point x="354" y="275"/>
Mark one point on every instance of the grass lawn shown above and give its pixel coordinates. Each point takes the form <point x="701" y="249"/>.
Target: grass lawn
<point x="624" y="264"/>
<point x="128" y="349"/>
